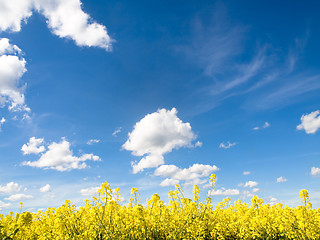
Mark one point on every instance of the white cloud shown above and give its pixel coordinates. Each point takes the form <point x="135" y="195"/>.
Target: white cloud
<point x="18" y="197"/>
<point x="34" y="146"/>
<point x="310" y="122"/>
<point x="227" y="145"/>
<point x="2" y="121"/>
<point x="246" y="173"/>
<point x="156" y="134"/>
<point x="191" y="175"/>
<point x="118" y="130"/>
<point x="92" y="141"/>
<point x="12" y="12"/>
<point x="255" y="190"/>
<point x="251" y="184"/>
<point x="281" y="179"/>
<point x="61" y="158"/>
<point x="315" y="172"/>
<point x="12" y="67"/>
<point x="4" y="205"/>
<point x="166" y="170"/>
<point x="250" y="194"/>
<point x="248" y="71"/>
<point x="169" y="182"/>
<point x="272" y="200"/>
<point x="45" y="188"/>
<point x="65" y="18"/>
<point x="247" y="194"/>
<point x="10" y="188"/>
<point x="198" y="144"/>
<point x="149" y="161"/>
<point x="265" y="125"/>
<point x="89" y="191"/>
<point x="226" y="192"/>
<point x="215" y="43"/>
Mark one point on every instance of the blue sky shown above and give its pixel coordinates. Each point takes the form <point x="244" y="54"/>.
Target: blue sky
<point x="153" y="93"/>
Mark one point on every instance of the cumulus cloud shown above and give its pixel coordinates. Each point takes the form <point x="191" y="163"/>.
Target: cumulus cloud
<point x="281" y="179"/>
<point x="92" y="141"/>
<point x="251" y="184"/>
<point x="10" y="188"/>
<point x="224" y="192"/>
<point x="4" y="205"/>
<point x="155" y="135"/>
<point x="12" y="67"/>
<point x="315" y="172"/>
<point x="45" y="188"/>
<point x="169" y="182"/>
<point x="2" y="121"/>
<point x="255" y="190"/>
<point x="89" y="191"/>
<point x="65" y="18"/>
<point x="246" y="173"/>
<point x="61" y="158"/>
<point x="247" y="194"/>
<point x="227" y="145"/>
<point x="191" y="175"/>
<point x="13" y="12"/>
<point x="272" y="200"/>
<point x="310" y="122"/>
<point x="34" y="146"/>
<point x="18" y="197"/>
<point x="198" y="144"/>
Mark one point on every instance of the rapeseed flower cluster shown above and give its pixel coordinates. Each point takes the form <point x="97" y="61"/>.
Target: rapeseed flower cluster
<point x="103" y="217"/>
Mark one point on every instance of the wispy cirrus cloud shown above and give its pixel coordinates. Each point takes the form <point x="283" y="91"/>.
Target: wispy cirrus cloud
<point x="289" y="90"/>
<point x="295" y="51"/>
<point x="268" y="77"/>
<point x="118" y="130"/>
<point x="212" y="46"/>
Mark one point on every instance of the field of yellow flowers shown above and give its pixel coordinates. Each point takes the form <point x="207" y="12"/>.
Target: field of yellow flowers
<point x="103" y="217"/>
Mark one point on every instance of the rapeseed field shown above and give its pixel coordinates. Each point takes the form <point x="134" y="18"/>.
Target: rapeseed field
<point x="103" y="217"/>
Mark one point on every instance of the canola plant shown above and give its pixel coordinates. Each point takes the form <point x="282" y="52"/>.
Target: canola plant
<point x="103" y="217"/>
